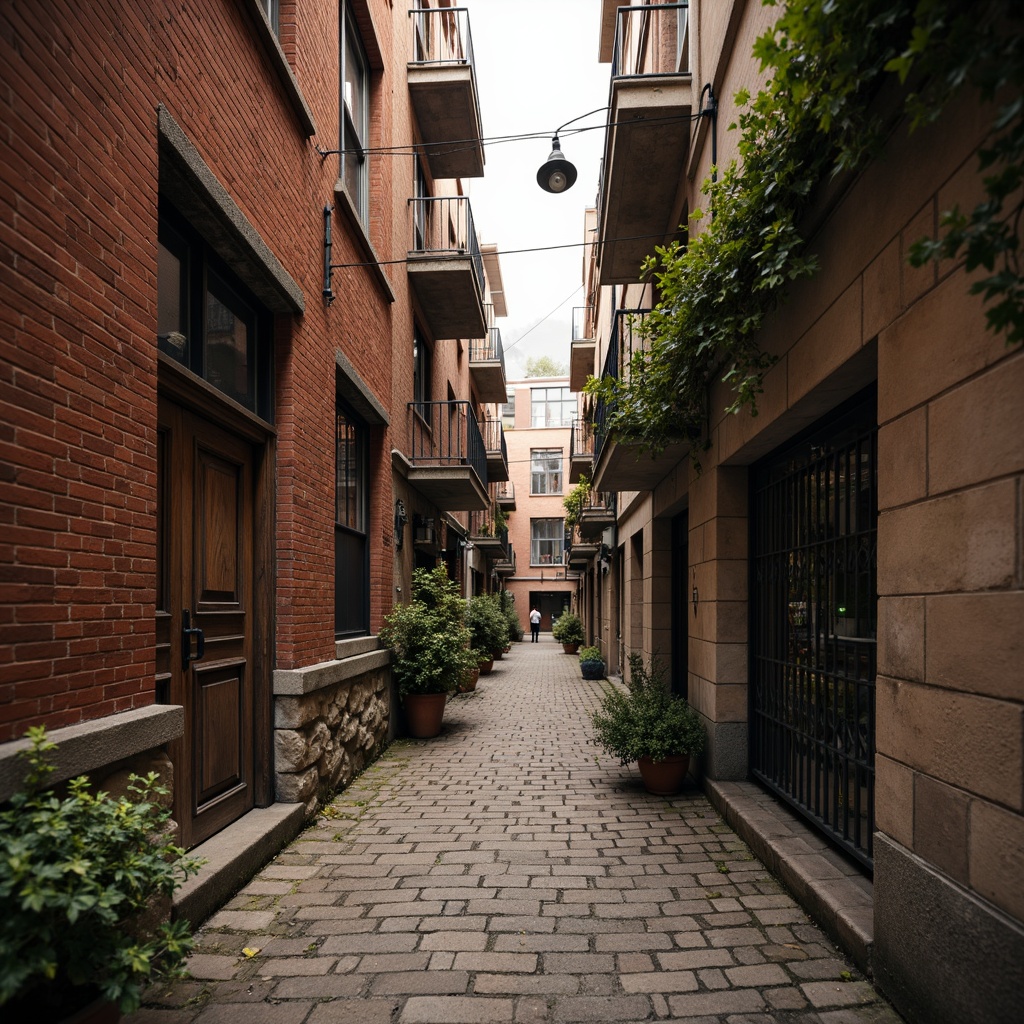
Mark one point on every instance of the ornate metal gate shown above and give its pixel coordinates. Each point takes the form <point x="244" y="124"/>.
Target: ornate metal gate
<point x="812" y="734"/>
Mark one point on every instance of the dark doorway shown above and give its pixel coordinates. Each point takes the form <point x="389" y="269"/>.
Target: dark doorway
<point x="551" y="604"/>
<point x="813" y="625"/>
<point x="680" y="602"/>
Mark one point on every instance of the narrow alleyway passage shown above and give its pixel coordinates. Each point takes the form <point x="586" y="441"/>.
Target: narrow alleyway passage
<point x="509" y="871"/>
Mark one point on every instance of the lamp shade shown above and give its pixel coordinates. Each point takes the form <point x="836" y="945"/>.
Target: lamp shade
<point x="556" y="174"/>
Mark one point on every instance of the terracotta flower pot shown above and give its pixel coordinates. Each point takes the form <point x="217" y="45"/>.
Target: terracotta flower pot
<point x="469" y="681"/>
<point x="571" y="648"/>
<point x="486" y="667"/>
<point x="664" y="778"/>
<point x="496" y="654"/>
<point x="423" y="714"/>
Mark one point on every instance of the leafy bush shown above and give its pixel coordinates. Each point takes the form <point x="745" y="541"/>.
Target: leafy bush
<point x="78" y="875"/>
<point x="507" y="603"/>
<point x="568" y="629"/>
<point x="591" y="654"/>
<point x="428" y="638"/>
<point x="487" y="624"/>
<point x="646" y="720"/>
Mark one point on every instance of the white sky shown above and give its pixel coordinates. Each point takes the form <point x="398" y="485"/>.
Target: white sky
<point x="536" y="68"/>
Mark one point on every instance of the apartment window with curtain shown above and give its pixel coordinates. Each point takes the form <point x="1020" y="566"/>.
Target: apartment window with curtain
<point x="546" y="541"/>
<point x="355" y="117"/>
<point x="351" y="505"/>
<point x="546" y="471"/>
<point x="552" y="407"/>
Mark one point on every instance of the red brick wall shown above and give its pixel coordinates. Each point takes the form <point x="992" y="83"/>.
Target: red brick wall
<point x="78" y="374"/>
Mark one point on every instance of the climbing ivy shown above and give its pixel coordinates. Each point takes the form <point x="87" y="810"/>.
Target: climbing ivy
<point x="814" y="119"/>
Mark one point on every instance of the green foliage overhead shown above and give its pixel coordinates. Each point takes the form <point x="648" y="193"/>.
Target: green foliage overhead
<point x="77" y="875"/>
<point x="647" y="720"/>
<point x="545" y="366"/>
<point x="575" y="502"/>
<point x="815" y="118"/>
<point x="428" y="638"/>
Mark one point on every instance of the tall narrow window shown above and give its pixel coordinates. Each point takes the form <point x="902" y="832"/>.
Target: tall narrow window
<point x="420" y="212"/>
<point x="355" y="89"/>
<point x="546" y="471"/>
<point x="351" y="505"/>
<point x="272" y="9"/>
<point x="208" y="321"/>
<point x="421" y="375"/>
<point x="546" y="541"/>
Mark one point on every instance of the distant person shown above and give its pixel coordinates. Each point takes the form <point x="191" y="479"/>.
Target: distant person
<point x="534" y="626"/>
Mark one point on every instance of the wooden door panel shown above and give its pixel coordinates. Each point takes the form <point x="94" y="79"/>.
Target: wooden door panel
<point x="207" y="519"/>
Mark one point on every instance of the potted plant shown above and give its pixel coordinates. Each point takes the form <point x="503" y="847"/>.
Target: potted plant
<point x="507" y="603"/>
<point x="430" y="648"/>
<point x="592" y="663"/>
<point x="487" y="626"/>
<point x="568" y="631"/>
<point x="575" y="502"/>
<point x="651" y="726"/>
<point x="485" y="662"/>
<point x="83" y="878"/>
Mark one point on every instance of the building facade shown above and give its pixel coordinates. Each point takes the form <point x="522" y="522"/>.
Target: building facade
<point x="248" y="350"/>
<point x="540" y="414"/>
<point x="838" y="589"/>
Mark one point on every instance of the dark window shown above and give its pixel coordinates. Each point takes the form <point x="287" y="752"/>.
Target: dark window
<point x="351" y="504"/>
<point x="209" y="322"/>
<point x="355" y="94"/>
<point x="272" y="9"/>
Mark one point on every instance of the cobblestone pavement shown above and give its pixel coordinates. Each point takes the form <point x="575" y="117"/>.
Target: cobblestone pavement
<point x="508" y="871"/>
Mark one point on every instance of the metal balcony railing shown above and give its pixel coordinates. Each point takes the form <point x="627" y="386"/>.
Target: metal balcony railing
<point x="582" y="323"/>
<point x="441" y="35"/>
<point x="489" y="349"/>
<point x="651" y="39"/>
<point x="493" y="434"/>
<point x="626" y="338"/>
<point x="443" y="227"/>
<point x="581" y="439"/>
<point x="446" y="434"/>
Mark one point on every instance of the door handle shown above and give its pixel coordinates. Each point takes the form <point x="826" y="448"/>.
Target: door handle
<point x="187" y="632"/>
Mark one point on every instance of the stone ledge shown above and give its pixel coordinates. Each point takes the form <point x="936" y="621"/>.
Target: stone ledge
<point x="830" y="889"/>
<point x="90" y="745"/>
<point x="233" y="856"/>
<point x="357" y="645"/>
<point x="299" y="682"/>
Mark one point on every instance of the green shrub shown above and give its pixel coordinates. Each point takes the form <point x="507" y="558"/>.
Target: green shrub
<point x="79" y="874"/>
<point x="568" y="629"/>
<point x="507" y="603"/>
<point x="487" y="623"/>
<point x="428" y="638"/>
<point x="591" y="654"/>
<point x="646" y="720"/>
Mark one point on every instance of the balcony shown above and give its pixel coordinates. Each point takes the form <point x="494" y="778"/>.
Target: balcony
<point x="447" y="462"/>
<point x="579" y="552"/>
<point x="445" y="99"/>
<point x="507" y="566"/>
<point x="624" y="466"/>
<point x="505" y="495"/>
<point x="446" y="269"/>
<point x="486" y="536"/>
<point x="651" y="102"/>
<point x="487" y="363"/>
<point x="581" y="355"/>
<point x="581" y="450"/>
<point x="497" y="450"/>
<point x="597" y="516"/>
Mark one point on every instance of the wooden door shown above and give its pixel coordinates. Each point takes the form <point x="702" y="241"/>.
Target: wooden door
<point x="205" y="583"/>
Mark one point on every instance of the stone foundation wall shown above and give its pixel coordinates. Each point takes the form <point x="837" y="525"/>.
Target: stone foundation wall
<point x="326" y="735"/>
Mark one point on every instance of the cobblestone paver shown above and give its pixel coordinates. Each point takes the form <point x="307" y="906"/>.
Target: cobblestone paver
<point x="509" y="871"/>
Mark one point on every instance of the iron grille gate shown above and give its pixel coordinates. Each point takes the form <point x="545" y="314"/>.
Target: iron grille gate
<point x="814" y="602"/>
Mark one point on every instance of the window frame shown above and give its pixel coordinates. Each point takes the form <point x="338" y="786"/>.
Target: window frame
<point x="351" y="531"/>
<point x="566" y="404"/>
<point x="540" y="455"/>
<point x="557" y="555"/>
<point x="353" y="146"/>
